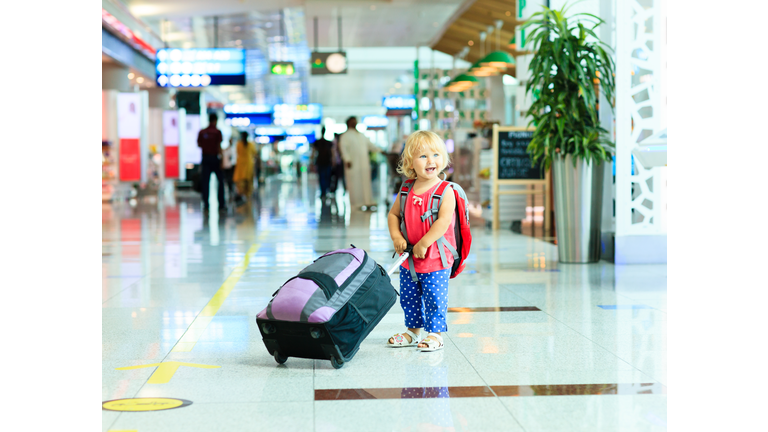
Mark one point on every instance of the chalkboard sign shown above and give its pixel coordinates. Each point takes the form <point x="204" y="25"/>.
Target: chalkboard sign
<point x="514" y="162"/>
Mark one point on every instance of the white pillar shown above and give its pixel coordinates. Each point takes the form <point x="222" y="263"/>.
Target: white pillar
<point x="640" y="231"/>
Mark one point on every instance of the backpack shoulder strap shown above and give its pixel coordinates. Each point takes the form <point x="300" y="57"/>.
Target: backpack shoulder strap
<point x="405" y="190"/>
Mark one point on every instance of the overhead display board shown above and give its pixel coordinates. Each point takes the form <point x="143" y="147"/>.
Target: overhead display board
<point x="375" y="121"/>
<point x="398" y="105"/>
<point x="200" y="67"/>
<point x="333" y="63"/>
<point x="243" y="115"/>
<point x="282" y="68"/>
<point x="286" y="115"/>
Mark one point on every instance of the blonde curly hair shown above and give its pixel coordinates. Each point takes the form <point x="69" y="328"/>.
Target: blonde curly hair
<point x="414" y="145"/>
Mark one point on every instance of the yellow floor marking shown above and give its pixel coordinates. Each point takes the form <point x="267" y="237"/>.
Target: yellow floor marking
<point x="198" y="326"/>
<point x="165" y="370"/>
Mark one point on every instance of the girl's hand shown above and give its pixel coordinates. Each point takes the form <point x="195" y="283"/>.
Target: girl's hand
<point x="400" y="245"/>
<point x="419" y="250"/>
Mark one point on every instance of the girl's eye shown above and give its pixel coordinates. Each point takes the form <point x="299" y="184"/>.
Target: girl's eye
<point x="423" y="156"/>
<point x="436" y="155"/>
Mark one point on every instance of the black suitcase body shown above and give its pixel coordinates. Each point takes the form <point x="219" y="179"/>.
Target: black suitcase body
<point x="328" y="309"/>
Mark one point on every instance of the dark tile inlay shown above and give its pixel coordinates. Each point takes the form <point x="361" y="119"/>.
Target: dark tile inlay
<point x="483" y="391"/>
<point x="580" y="389"/>
<point x="403" y="393"/>
<point x="495" y="309"/>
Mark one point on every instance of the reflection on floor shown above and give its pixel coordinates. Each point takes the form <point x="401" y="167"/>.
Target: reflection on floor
<point x="533" y="345"/>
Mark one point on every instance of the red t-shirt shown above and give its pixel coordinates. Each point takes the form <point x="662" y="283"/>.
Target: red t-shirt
<point x="415" y="206"/>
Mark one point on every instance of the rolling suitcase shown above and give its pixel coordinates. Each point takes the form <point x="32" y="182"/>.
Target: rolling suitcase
<point x="327" y="310"/>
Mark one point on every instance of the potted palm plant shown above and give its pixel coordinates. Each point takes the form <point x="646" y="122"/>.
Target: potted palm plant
<point x="570" y="66"/>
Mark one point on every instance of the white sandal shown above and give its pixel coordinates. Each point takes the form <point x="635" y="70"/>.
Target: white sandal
<point x="401" y="341"/>
<point x="433" y="341"/>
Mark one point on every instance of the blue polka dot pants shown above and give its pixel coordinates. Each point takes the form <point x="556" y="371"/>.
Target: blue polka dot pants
<point x="425" y="303"/>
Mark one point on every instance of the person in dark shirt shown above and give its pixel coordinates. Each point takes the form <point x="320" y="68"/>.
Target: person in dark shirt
<point x="324" y="162"/>
<point x="209" y="140"/>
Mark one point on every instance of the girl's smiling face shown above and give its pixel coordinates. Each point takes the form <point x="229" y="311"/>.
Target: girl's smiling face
<point x="426" y="163"/>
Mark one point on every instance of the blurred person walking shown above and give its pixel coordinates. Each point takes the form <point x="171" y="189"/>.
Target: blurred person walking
<point x="338" y="166"/>
<point x="228" y="161"/>
<point x="323" y="159"/>
<point x="209" y="140"/>
<point x="246" y="153"/>
<point x="355" y="151"/>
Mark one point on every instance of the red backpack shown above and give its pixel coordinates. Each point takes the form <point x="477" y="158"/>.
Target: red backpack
<point x="461" y="227"/>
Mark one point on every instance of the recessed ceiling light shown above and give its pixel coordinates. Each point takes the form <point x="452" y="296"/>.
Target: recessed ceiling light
<point x="131" y="75"/>
<point x="139" y="80"/>
<point x="397" y="85"/>
<point x="508" y="13"/>
<point x="470" y="43"/>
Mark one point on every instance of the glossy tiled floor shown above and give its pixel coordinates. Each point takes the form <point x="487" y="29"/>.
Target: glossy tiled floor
<point x="592" y="358"/>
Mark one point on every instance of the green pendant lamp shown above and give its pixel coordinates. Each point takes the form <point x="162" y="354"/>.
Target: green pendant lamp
<point x="461" y="83"/>
<point x="479" y="70"/>
<point x="498" y="60"/>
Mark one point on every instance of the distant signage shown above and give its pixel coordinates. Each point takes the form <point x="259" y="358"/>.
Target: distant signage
<point x="117" y="27"/>
<point x="287" y="115"/>
<point x="398" y="105"/>
<point x="247" y="109"/>
<point x="328" y="63"/>
<point x="282" y="68"/>
<point x="200" y="67"/>
<point x="514" y="161"/>
<point x="375" y="121"/>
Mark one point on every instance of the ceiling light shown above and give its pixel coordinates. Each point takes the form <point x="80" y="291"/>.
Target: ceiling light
<point x="470" y="43"/>
<point x="139" y="80"/>
<point x="373" y="7"/>
<point x="435" y="24"/>
<point x="397" y="85"/>
<point x="478" y="69"/>
<point x="131" y="75"/>
<point x="498" y="59"/>
<point x="508" y="13"/>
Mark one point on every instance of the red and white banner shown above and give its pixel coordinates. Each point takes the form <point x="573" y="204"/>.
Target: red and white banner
<point x="129" y="133"/>
<point x="171" y="143"/>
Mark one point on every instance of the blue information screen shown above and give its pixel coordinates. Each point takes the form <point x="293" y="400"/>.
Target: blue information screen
<point x="200" y="67"/>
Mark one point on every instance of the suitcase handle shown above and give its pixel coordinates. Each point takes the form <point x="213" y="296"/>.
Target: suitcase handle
<point x="397" y="263"/>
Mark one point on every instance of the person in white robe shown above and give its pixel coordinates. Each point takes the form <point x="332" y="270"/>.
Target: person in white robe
<point x="355" y="148"/>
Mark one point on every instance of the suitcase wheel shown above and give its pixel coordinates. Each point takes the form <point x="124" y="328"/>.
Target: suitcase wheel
<point x="281" y="359"/>
<point x="336" y="363"/>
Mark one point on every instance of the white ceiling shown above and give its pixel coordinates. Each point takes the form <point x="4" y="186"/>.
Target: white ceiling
<point x="379" y="36"/>
<point x="192" y="8"/>
<point x="365" y="23"/>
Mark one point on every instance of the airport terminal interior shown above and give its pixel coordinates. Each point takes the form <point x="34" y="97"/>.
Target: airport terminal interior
<point x="558" y="321"/>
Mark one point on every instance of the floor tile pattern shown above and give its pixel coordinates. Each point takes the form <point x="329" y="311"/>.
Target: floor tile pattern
<point x="532" y="344"/>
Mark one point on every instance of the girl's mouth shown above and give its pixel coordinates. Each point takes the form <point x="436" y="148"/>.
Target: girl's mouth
<point x="431" y="170"/>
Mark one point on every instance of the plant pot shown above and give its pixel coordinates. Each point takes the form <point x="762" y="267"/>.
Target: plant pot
<point x="578" y="208"/>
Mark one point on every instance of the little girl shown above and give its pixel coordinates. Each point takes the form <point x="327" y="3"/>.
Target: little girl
<point x="425" y="302"/>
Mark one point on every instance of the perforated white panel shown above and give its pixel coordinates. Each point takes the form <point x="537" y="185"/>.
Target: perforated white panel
<point x="638" y="115"/>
